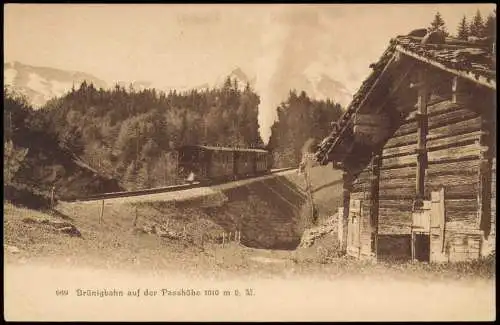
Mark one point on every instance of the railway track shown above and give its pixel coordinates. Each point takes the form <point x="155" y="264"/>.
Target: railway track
<point x="164" y="189"/>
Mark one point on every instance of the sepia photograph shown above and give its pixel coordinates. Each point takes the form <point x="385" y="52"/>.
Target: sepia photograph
<point x="249" y="162"/>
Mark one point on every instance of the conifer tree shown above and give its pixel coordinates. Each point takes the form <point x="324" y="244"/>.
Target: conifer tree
<point x="491" y="25"/>
<point x="477" y="26"/>
<point x="438" y="23"/>
<point x="463" y="30"/>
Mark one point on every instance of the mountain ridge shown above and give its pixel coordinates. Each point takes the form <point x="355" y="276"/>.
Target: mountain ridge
<point x="41" y="83"/>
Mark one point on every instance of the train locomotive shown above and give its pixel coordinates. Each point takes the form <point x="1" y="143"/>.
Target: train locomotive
<point x="211" y="164"/>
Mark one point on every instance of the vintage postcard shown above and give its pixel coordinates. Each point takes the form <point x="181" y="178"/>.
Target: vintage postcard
<point x="249" y="162"/>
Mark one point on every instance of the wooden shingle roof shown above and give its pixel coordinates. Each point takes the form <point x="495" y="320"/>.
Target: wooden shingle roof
<point x="474" y="60"/>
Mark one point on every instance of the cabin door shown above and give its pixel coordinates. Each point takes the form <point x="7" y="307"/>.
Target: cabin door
<point x="427" y="235"/>
<point x="354" y="229"/>
<point x="420" y="233"/>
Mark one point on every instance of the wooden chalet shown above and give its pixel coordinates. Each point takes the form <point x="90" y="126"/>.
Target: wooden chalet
<point x="417" y="146"/>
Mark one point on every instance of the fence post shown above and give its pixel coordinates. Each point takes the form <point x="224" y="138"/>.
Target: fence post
<point x="223" y="239"/>
<point x="102" y="212"/>
<point x="136" y="216"/>
<point x="52" y="196"/>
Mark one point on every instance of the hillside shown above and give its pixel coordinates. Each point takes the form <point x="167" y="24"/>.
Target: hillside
<point x="36" y="161"/>
<point x="326" y="183"/>
<point x="170" y="242"/>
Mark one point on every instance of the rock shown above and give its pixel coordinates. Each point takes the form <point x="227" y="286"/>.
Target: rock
<point x="12" y="249"/>
<point x="70" y="230"/>
<point x="30" y="220"/>
<point x="60" y="224"/>
<point x="171" y="235"/>
<point x="310" y="235"/>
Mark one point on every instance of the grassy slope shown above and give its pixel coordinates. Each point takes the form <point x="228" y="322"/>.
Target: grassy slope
<point x="116" y="244"/>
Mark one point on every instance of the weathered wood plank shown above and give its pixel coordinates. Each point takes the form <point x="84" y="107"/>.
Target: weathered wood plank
<point x="466" y="167"/>
<point x="435" y="103"/>
<point x="467" y="126"/>
<point x="452" y="141"/>
<point x="394" y="173"/>
<point x="454" y="153"/>
<point x="406" y="128"/>
<point x="460" y="225"/>
<point x="442" y="107"/>
<point x="394" y="216"/>
<point x="461" y="191"/>
<point x="394" y="229"/>
<point x="397" y="193"/>
<point x="399" y="151"/>
<point x="401" y="161"/>
<point x="400" y="205"/>
<point x="451" y="117"/>
<point x="436" y="99"/>
<point x="401" y="140"/>
<point x="451" y="179"/>
<point x="461" y="205"/>
<point x="397" y="183"/>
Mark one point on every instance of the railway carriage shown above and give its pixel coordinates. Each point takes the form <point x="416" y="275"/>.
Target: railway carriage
<point x="261" y="161"/>
<point x="221" y="163"/>
<point x="244" y="163"/>
<point x="210" y="163"/>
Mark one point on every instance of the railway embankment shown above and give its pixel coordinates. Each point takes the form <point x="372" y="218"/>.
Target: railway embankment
<point x="267" y="213"/>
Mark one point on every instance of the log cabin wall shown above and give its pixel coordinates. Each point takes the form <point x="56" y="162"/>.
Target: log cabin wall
<point x="489" y="245"/>
<point x="397" y="179"/>
<point x="397" y="191"/>
<point x="453" y="163"/>
<point x="456" y="137"/>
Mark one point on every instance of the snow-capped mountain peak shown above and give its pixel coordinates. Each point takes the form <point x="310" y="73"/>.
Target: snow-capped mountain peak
<point x="40" y="84"/>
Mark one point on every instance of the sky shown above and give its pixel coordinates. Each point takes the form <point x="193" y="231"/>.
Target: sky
<point x="182" y="46"/>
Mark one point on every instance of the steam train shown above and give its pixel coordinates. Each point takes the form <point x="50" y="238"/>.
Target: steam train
<point x="210" y="164"/>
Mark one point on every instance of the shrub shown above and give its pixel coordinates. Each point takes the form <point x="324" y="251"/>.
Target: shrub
<point x="13" y="158"/>
<point x="26" y="196"/>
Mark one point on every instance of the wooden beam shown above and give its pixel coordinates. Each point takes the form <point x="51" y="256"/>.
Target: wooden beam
<point x="485" y="178"/>
<point x="421" y="135"/>
<point x="374" y="201"/>
<point x="460" y="94"/>
<point x="347" y="179"/>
